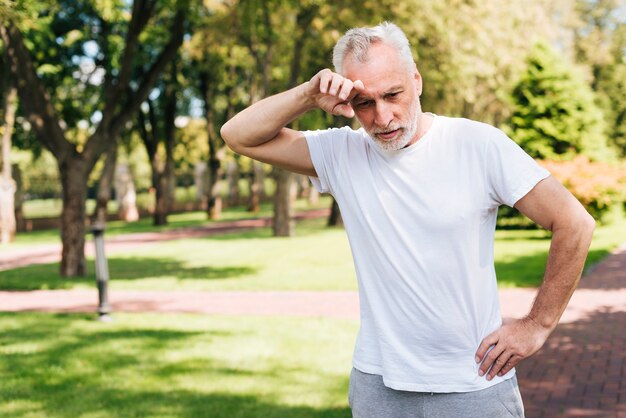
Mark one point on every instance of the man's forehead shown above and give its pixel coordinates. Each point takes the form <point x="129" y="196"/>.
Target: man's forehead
<point x="382" y="59"/>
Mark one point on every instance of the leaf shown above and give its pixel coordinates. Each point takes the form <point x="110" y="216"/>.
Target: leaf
<point x="49" y="69"/>
<point x="72" y="37"/>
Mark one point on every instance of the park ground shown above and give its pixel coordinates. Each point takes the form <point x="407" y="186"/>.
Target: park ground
<point x="244" y="350"/>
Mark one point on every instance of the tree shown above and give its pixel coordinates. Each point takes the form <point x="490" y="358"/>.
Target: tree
<point x="7" y="184"/>
<point x="554" y="114"/>
<point x="600" y="44"/>
<point x="469" y="52"/>
<point x="156" y="126"/>
<point x="213" y="61"/>
<point x="120" y="102"/>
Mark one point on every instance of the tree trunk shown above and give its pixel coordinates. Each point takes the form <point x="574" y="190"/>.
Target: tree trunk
<point x="335" y="215"/>
<point x="74" y="180"/>
<point x="161" y="189"/>
<point x="125" y="194"/>
<point x="232" y="174"/>
<point x="105" y="187"/>
<point x="214" y="202"/>
<point x="166" y="182"/>
<point x="20" y="221"/>
<point x="257" y="187"/>
<point x="201" y="181"/>
<point x="284" y="225"/>
<point x="216" y="155"/>
<point x="303" y="186"/>
<point x="7" y="184"/>
<point x="284" y="197"/>
<point x="163" y="180"/>
<point x="7" y="210"/>
<point x="314" y="196"/>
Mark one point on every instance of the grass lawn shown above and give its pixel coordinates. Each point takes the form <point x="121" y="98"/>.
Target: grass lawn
<point x="149" y="365"/>
<point x="318" y="258"/>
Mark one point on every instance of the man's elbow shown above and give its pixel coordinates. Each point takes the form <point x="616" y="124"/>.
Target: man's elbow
<point x="579" y="223"/>
<point x="229" y="136"/>
<point x="584" y="224"/>
<point x="589" y="224"/>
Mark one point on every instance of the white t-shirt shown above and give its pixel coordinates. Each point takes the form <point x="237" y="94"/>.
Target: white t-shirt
<point x="421" y="222"/>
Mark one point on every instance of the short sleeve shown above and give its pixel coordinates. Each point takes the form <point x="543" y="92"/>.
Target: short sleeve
<point x="325" y="147"/>
<point x="510" y="172"/>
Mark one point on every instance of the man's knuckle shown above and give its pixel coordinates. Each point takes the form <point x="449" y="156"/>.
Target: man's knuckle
<point x="491" y="357"/>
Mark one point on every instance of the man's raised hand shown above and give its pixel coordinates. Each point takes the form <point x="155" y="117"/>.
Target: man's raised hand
<point x="332" y="92"/>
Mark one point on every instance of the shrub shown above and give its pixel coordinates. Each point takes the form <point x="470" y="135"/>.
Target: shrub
<point x="597" y="185"/>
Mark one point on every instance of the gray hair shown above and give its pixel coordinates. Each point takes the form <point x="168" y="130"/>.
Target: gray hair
<point x="356" y="42"/>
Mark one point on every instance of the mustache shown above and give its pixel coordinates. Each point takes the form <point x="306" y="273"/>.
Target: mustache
<point x="388" y="129"/>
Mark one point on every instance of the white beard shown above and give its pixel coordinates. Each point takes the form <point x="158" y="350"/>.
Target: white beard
<point x="402" y="140"/>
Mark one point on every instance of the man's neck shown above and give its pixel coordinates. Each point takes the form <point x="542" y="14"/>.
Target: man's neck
<point x="425" y="121"/>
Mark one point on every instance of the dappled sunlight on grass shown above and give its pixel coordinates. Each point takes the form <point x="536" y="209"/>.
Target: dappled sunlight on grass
<point x="132" y="272"/>
<point x="174" y="366"/>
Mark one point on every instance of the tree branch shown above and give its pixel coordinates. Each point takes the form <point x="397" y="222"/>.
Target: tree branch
<point x="150" y="77"/>
<point x="133" y="100"/>
<point x="141" y="14"/>
<point x="34" y="99"/>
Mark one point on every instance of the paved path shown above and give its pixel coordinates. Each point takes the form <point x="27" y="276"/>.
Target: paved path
<point x="580" y="372"/>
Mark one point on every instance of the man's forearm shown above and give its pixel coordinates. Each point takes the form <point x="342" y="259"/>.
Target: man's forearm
<point x="263" y="120"/>
<point x="566" y="260"/>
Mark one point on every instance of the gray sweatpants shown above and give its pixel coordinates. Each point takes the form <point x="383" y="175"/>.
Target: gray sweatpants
<point x="370" y="398"/>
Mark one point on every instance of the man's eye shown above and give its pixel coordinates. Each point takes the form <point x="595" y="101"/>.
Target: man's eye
<point x="364" y="103"/>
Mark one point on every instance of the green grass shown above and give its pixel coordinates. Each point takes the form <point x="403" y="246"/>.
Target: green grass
<point x="520" y="256"/>
<point x="318" y="258"/>
<point x="150" y="365"/>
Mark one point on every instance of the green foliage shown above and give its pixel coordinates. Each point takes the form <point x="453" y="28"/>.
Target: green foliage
<point x="468" y="53"/>
<point x="554" y="113"/>
<point x="600" y="44"/>
<point x="40" y="175"/>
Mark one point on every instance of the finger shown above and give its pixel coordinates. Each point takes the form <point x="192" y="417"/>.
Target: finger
<point x="325" y="79"/>
<point x="489" y="341"/>
<point x="344" y="109"/>
<point x="490" y="359"/>
<point x="357" y="87"/>
<point x="512" y="362"/>
<point x="498" y="364"/>
<point x="335" y="84"/>
<point x="345" y="90"/>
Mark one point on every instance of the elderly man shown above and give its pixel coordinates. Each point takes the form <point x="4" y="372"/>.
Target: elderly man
<point x="419" y="195"/>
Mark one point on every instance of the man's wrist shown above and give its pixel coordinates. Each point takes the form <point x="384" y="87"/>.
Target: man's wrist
<point x="304" y="97"/>
<point x="545" y="324"/>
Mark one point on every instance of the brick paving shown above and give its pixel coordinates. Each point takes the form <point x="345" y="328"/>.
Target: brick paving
<point x="580" y="372"/>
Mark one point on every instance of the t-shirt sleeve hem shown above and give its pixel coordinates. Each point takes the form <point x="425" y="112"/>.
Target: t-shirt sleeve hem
<point x="533" y="179"/>
<point x="317" y="157"/>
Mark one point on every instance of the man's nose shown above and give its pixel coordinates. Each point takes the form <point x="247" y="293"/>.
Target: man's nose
<point x="383" y="116"/>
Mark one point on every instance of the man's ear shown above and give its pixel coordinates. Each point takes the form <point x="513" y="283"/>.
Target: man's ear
<point x="418" y="80"/>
